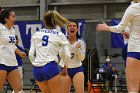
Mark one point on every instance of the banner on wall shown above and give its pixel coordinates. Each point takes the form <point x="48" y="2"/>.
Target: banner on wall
<point x="24" y="30"/>
<point x="117" y="40"/>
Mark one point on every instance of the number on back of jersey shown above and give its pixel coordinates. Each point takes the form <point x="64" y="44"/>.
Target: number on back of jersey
<point x="45" y="40"/>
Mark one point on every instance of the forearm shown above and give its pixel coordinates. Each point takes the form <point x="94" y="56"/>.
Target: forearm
<point x="80" y="54"/>
<point x="61" y="53"/>
<point x="17" y="51"/>
<point x="127" y="17"/>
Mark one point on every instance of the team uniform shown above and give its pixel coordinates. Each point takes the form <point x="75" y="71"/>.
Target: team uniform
<point x="132" y="15"/>
<point x="7" y="49"/>
<point x="45" y="45"/>
<point x="77" y="55"/>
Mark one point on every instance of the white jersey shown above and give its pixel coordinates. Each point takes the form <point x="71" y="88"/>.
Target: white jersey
<point x="132" y="15"/>
<point x="77" y="55"/>
<point x="7" y="46"/>
<point x="45" y="45"/>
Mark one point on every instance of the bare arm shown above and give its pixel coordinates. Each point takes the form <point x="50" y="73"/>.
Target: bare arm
<point x="20" y="53"/>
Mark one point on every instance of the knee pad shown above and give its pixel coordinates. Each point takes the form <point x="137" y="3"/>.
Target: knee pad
<point x="21" y="91"/>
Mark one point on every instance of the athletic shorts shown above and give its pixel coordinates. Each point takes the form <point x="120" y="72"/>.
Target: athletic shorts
<point x="46" y="72"/>
<point x="135" y="55"/>
<point x="7" y="68"/>
<point x="73" y="71"/>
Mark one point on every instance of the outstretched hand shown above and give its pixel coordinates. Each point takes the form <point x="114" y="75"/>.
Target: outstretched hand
<point x="102" y="27"/>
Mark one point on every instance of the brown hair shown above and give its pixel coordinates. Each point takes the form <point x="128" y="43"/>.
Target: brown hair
<point x="77" y="35"/>
<point x="4" y="13"/>
<point x="53" y="18"/>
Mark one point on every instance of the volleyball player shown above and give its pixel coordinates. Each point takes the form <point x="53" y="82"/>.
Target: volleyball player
<point x="132" y="16"/>
<point x="45" y="45"/>
<point x="8" y="63"/>
<point x="77" y="48"/>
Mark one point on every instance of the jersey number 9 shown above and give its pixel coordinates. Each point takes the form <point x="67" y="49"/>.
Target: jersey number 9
<point x="45" y="40"/>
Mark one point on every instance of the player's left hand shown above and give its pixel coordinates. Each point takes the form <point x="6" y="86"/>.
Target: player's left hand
<point x="23" y="54"/>
<point x="78" y="45"/>
<point x="64" y="71"/>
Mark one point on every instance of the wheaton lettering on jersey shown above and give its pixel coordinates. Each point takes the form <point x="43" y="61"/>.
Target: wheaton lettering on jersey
<point x="49" y="31"/>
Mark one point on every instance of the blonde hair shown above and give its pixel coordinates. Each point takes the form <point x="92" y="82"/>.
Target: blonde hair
<point x="53" y="18"/>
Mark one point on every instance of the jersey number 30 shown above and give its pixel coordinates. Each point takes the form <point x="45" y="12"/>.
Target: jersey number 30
<point x="45" y="40"/>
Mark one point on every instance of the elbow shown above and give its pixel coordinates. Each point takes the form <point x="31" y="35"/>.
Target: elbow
<point x="31" y="56"/>
<point x="61" y="55"/>
<point x="81" y="58"/>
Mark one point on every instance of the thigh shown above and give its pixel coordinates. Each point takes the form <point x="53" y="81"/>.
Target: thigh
<point x="132" y="74"/>
<point x="14" y="80"/>
<point x="20" y="69"/>
<point x="43" y="86"/>
<point x="78" y="82"/>
<point x="55" y="84"/>
<point x="66" y="82"/>
<point x="2" y="78"/>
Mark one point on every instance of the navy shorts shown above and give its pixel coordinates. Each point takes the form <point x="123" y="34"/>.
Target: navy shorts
<point x="73" y="71"/>
<point x="7" y="68"/>
<point x="135" y="55"/>
<point x="46" y="72"/>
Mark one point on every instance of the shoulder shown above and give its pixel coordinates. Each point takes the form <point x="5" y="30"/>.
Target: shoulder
<point x="60" y="34"/>
<point x="135" y="5"/>
<point x="81" y="40"/>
